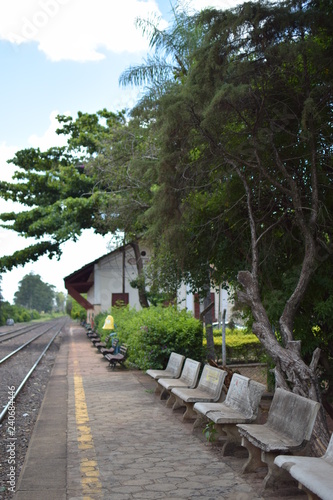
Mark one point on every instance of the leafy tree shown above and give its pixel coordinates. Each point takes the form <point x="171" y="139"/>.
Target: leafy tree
<point x="17" y="313"/>
<point x="246" y="155"/>
<point x="75" y="310"/>
<point x="168" y="67"/>
<point x="33" y="293"/>
<point x="59" y="199"/>
<point x="60" y="299"/>
<point x="171" y="52"/>
<point x="100" y="180"/>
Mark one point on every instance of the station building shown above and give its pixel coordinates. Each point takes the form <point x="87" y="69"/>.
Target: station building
<point x="107" y="280"/>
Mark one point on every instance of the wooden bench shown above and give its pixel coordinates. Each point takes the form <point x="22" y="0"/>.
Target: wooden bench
<point x="240" y="406"/>
<point x="209" y="390"/>
<point x="288" y="429"/>
<point x="314" y="474"/>
<point x="110" y="350"/>
<point x="172" y="370"/>
<point x="95" y="340"/>
<point x="119" y="358"/>
<point x="188" y="378"/>
<point x="91" y="334"/>
<point x="100" y="345"/>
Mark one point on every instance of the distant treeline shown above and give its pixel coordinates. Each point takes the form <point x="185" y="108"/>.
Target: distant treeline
<point x="18" y="313"/>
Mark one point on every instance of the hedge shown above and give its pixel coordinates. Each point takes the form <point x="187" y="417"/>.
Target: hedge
<point x="153" y="333"/>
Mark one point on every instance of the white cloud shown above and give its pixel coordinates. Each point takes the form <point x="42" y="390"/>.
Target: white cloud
<point x="82" y="30"/>
<point x="217" y="4"/>
<point x="78" y="30"/>
<point x="50" y="138"/>
<point x="88" y="248"/>
<point x="75" y="255"/>
<point x="6" y="169"/>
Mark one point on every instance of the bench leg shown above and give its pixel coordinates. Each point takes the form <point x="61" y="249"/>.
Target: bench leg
<point x="158" y="388"/>
<point x="170" y="401"/>
<point x="199" y="421"/>
<point x="276" y="477"/>
<point x="254" y="461"/>
<point x="178" y="403"/>
<point x="311" y="496"/>
<point x="230" y="436"/>
<point x="163" y="393"/>
<point x="189" y="414"/>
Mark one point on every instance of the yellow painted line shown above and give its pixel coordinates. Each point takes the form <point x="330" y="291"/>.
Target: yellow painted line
<point x="91" y="485"/>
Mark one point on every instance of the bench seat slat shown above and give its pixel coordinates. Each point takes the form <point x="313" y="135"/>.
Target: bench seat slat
<point x="313" y="473"/>
<point x="268" y="439"/>
<point x="192" y="395"/>
<point x="172" y="370"/>
<point x="288" y="429"/>
<point x="228" y="416"/>
<point x="209" y="389"/>
<point x="188" y="378"/>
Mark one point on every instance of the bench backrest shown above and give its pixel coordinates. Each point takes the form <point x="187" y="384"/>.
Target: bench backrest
<point x="175" y="364"/>
<point x="244" y="395"/>
<point x="292" y="415"/>
<point x="211" y="381"/>
<point x="329" y="452"/>
<point x="123" y="350"/>
<point x="190" y="372"/>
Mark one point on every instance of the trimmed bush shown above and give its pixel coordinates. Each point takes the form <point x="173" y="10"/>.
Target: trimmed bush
<point x="240" y="345"/>
<point x="153" y="333"/>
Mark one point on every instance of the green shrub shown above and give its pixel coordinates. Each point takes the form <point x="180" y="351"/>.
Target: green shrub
<point x="240" y="345"/>
<point x="153" y="333"/>
<point x="18" y="313"/>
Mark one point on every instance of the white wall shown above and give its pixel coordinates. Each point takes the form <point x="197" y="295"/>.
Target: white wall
<point x="108" y="278"/>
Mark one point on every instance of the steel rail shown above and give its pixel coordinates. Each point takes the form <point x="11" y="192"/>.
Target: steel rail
<point x="10" y="402"/>
<point x="24" y="345"/>
<point x="36" y="325"/>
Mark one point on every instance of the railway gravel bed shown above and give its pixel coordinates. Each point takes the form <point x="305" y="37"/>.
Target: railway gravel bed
<point x="27" y="408"/>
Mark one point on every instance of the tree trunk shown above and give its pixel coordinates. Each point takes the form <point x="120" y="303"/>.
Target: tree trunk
<point x="139" y="264"/>
<point x="291" y="372"/>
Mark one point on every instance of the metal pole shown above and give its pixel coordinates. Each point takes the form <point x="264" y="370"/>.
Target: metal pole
<point x="224" y="353"/>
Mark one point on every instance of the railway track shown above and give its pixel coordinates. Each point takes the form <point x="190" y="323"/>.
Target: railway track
<point x="19" y="360"/>
<point x="17" y="332"/>
<point x="17" y="425"/>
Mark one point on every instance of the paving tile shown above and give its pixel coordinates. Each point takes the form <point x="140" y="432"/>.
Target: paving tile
<point x="130" y="445"/>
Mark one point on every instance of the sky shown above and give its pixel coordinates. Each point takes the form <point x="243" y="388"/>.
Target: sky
<point x="61" y="57"/>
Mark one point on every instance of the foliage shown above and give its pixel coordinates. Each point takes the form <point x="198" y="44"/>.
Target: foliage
<point x="33" y="293"/>
<point x="225" y="165"/>
<point x="240" y="345"/>
<point x="210" y="432"/>
<point x="18" y="313"/>
<point x="60" y="299"/>
<point x="98" y="325"/>
<point x="60" y="198"/>
<point x="153" y="333"/>
<point x="75" y="310"/>
<point x="171" y="50"/>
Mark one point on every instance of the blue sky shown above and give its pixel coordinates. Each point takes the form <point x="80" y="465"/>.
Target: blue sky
<point x="61" y="57"/>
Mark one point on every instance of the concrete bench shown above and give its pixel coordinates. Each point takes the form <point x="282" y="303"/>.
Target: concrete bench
<point x="172" y="370"/>
<point x="209" y="390"/>
<point x="314" y="474"/>
<point x="288" y="429"/>
<point x="188" y="378"/>
<point x="240" y="407"/>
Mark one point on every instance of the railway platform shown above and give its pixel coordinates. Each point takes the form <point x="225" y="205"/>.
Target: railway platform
<point x="103" y="434"/>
